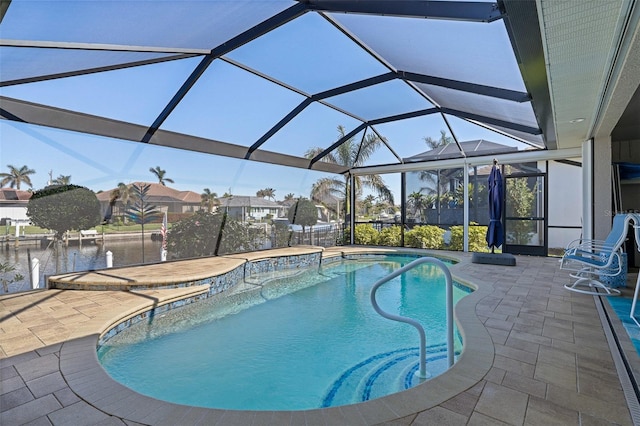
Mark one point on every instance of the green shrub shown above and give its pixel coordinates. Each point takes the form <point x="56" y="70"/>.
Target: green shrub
<point x="425" y="236"/>
<point x="303" y="213"/>
<point x="64" y="207"/>
<point x="390" y="236"/>
<point x="282" y="235"/>
<point x="477" y="238"/>
<point x="457" y="238"/>
<point x="197" y="236"/>
<point x="365" y="234"/>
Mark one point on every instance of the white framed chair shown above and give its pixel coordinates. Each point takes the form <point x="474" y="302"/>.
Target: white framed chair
<point x="636" y="231"/>
<point x="590" y="261"/>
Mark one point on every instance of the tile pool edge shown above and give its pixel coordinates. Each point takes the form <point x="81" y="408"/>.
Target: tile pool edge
<point x="158" y="276"/>
<point x="80" y="368"/>
<point x="623" y="339"/>
<point x="223" y="283"/>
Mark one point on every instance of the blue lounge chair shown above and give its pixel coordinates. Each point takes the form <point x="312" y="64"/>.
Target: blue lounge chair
<point x="592" y="260"/>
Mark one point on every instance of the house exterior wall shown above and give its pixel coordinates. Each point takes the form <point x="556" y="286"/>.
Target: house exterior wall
<point x="260" y="213"/>
<point x="189" y="208"/>
<point x="246" y="213"/>
<point x="13" y="212"/>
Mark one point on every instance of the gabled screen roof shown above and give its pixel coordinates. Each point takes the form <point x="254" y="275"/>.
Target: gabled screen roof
<point x="269" y="81"/>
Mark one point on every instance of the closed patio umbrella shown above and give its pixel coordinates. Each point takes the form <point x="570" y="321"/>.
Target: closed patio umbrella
<point x="494" y="232"/>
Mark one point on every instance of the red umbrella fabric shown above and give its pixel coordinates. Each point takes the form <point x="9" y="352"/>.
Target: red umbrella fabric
<point x="494" y="232"/>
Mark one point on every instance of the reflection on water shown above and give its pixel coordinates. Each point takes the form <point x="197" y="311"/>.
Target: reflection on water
<point x="72" y="258"/>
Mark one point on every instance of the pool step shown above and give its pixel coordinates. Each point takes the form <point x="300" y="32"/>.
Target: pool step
<point x="383" y="374"/>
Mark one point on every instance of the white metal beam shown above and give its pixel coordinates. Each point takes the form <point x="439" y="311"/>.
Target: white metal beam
<point x="516" y="157"/>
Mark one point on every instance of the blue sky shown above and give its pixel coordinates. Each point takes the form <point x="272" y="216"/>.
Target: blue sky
<point x="100" y="164"/>
<point x="226" y="103"/>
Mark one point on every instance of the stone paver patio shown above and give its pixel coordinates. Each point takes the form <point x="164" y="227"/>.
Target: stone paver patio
<point x="535" y="354"/>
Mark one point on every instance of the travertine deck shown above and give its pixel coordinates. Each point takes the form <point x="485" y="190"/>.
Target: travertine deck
<point x="535" y="353"/>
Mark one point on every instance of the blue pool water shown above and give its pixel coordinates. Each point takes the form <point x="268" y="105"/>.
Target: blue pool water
<point x="316" y="342"/>
<point x="622" y="307"/>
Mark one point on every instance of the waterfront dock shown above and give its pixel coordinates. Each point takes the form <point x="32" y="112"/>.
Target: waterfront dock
<point x="43" y="240"/>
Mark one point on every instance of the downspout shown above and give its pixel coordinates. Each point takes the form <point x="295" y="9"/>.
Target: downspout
<point x="352" y="210"/>
<point x="403" y="206"/>
<point x="465" y="208"/>
<point x="587" y="189"/>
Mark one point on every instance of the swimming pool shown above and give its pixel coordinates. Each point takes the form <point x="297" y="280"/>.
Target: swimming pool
<point x="622" y="307"/>
<point x="316" y="343"/>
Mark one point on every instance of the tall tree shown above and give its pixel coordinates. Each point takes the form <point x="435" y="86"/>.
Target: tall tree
<point x="304" y="213"/>
<point x="269" y="193"/>
<point x="368" y="203"/>
<point x="436" y="143"/>
<point x="62" y="180"/>
<point x="349" y="154"/>
<point x="124" y="193"/>
<point x="435" y="177"/>
<point x="439" y="181"/>
<point x="290" y="196"/>
<point x="16" y="176"/>
<point x="209" y="199"/>
<point x="416" y="201"/>
<point x="159" y="173"/>
<point x="64" y="207"/>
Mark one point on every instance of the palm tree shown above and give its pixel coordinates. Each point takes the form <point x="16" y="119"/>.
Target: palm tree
<point x="16" y="176"/>
<point x="417" y="203"/>
<point x="434" y="177"/>
<point x="349" y="154"/>
<point x="62" y="180"/>
<point x="159" y="173"/>
<point x="124" y="193"/>
<point x="113" y="199"/>
<point x="436" y="143"/>
<point x="368" y="203"/>
<point x="269" y="193"/>
<point x="439" y="181"/>
<point x="209" y="199"/>
<point x="433" y="144"/>
<point x="290" y="196"/>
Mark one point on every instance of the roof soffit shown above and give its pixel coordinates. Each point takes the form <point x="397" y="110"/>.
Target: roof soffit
<point x="590" y="64"/>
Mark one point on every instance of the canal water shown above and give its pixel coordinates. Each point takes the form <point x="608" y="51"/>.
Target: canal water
<point x="72" y="259"/>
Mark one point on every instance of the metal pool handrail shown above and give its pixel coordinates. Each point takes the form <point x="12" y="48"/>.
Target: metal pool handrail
<point x="422" y="373"/>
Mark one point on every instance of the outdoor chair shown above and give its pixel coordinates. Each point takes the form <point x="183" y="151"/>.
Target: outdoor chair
<point x="595" y="263"/>
<point x="636" y="228"/>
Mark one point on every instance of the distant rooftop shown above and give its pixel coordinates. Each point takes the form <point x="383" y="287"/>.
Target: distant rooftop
<point x="10" y="194"/>
<point x="473" y="148"/>
<point x="158" y="193"/>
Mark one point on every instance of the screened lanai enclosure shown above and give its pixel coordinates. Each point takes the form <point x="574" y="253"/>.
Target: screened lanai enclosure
<point x="387" y="115"/>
